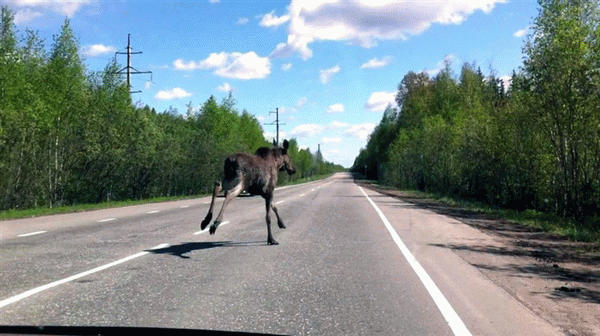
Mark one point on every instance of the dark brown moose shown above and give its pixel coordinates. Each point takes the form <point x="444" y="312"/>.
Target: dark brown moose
<point x="257" y="175"/>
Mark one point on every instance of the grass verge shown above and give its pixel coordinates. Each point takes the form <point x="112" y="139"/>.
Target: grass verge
<point x="44" y="211"/>
<point x="586" y="231"/>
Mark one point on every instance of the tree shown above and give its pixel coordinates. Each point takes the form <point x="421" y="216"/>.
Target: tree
<point x="562" y="79"/>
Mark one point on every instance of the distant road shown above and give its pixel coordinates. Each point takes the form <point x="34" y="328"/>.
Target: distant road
<point x="351" y="262"/>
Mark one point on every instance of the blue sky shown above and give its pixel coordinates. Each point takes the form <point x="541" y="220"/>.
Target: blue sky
<point x="330" y="67"/>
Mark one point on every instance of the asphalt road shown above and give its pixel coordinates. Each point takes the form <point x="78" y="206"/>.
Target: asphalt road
<point x="347" y="264"/>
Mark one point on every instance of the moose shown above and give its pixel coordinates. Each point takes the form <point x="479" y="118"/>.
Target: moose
<point x="257" y="175"/>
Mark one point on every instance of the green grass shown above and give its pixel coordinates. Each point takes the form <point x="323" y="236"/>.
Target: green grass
<point x="44" y="211"/>
<point x="586" y="231"/>
<point x="304" y="180"/>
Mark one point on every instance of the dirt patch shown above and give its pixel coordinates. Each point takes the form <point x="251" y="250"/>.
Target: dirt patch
<point x="554" y="277"/>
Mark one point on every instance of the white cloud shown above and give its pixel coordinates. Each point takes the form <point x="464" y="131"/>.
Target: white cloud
<point x="506" y="81"/>
<point x="26" y="15"/>
<point x="180" y="64"/>
<point x="214" y="1"/>
<point x="242" y="21"/>
<point x="378" y="101"/>
<point x="441" y="65"/>
<point x="521" y="33"/>
<point x="338" y="124"/>
<point x="96" y="50"/>
<point x="335" y="108"/>
<point x="361" y="131"/>
<point x="294" y="108"/>
<point x="175" y="93"/>
<point x="331" y="140"/>
<point x="225" y="87"/>
<point x="286" y="66"/>
<point x="301" y="102"/>
<point x="230" y="65"/>
<point x="270" y="20"/>
<point x="325" y="75"/>
<point x="377" y="63"/>
<point x="26" y="10"/>
<point x="307" y="130"/>
<point x="365" y="22"/>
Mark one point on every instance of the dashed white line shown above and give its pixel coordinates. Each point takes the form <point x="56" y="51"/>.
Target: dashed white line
<point x="301" y="195"/>
<point x="279" y="202"/>
<point x="313" y="189"/>
<point x="75" y="277"/>
<point x="106" y="220"/>
<point x="153" y="211"/>
<point x="454" y="321"/>
<point x="205" y="230"/>
<point x="184" y="206"/>
<point x="31" y="233"/>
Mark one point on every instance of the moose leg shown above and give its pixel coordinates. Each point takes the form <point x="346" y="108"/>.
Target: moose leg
<point x="279" y="221"/>
<point x="268" y="200"/>
<point x="209" y="215"/>
<point x="229" y="195"/>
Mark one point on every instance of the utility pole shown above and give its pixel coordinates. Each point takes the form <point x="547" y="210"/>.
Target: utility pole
<point x="276" y="123"/>
<point x="129" y="70"/>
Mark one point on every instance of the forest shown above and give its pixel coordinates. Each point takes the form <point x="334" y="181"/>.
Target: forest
<point x="531" y="143"/>
<point x="72" y="136"/>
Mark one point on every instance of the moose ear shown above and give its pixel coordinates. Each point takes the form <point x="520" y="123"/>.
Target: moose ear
<point x="286" y="144"/>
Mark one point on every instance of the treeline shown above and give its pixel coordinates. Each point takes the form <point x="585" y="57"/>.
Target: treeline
<point x="534" y="145"/>
<point x="71" y="136"/>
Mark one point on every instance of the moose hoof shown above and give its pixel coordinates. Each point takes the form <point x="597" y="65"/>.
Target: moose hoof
<point x="272" y="242"/>
<point x="281" y="226"/>
<point x="206" y="221"/>
<point x="212" y="229"/>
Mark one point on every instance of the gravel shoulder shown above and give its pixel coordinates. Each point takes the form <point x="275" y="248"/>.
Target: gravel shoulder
<point x="554" y="277"/>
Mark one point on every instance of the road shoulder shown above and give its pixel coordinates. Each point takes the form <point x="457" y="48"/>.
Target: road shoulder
<point x="549" y="275"/>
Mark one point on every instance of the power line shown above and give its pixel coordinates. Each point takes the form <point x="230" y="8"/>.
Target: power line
<point x="129" y="70"/>
<point x="276" y="123"/>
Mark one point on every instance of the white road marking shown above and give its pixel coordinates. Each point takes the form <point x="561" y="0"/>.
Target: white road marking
<point x="106" y="220"/>
<point x="279" y="202"/>
<point x="454" y="321"/>
<point x="153" y="211"/>
<point x="302" y="195"/>
<point x="184" y="206"/>
<point x="75" y="277"/>
<point x="31" y="233"/>
<point x="313" y="189"/>
<point x="208" y="228"/>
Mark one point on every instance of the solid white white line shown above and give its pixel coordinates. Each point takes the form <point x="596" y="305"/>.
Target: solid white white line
<point x="31" y="233"/>
<point x="74" y="277"/>
<point x="208" y="228"/>
<point x="454" y="321"/>
<point x="153" y="211"/>
<point x="106" y="220"/>
<point x="279" y="202"/>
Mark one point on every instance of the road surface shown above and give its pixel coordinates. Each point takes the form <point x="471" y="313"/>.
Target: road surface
<point x="351" y="262"/>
